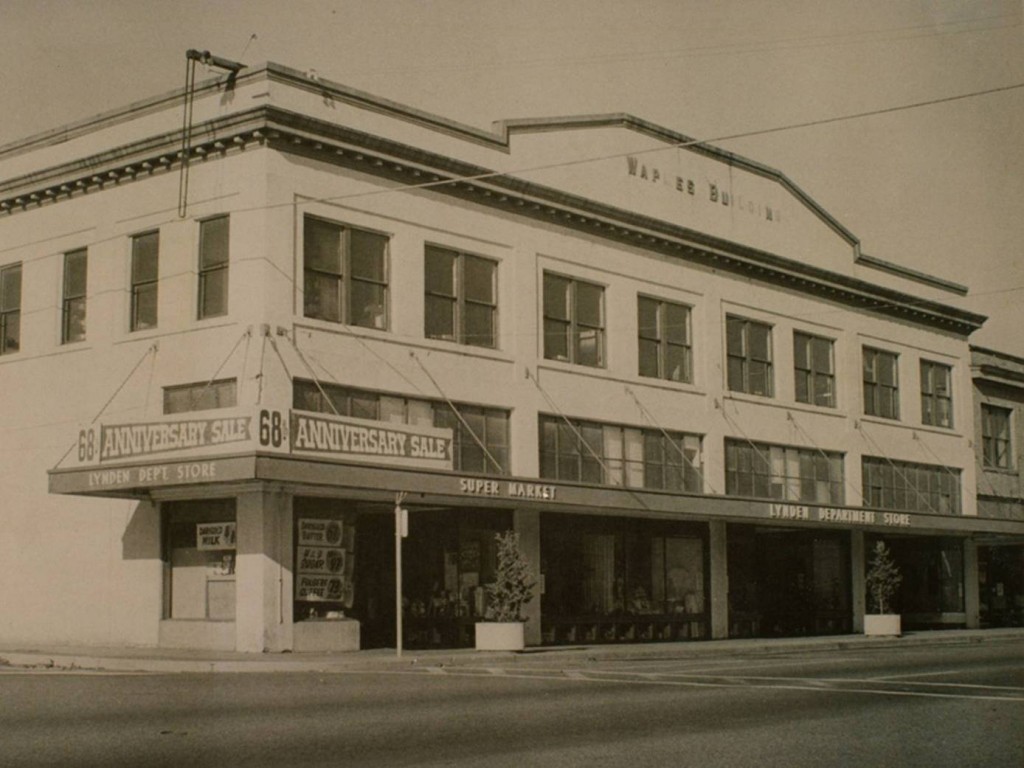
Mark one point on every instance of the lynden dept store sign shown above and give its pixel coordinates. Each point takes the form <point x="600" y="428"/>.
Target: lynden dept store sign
<point x="187" y="448"/>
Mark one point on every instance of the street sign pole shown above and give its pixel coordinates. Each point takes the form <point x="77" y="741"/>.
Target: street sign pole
<point x="401" y="531"/>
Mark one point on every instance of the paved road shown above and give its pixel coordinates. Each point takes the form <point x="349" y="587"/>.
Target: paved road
<point x="957" y="706"/>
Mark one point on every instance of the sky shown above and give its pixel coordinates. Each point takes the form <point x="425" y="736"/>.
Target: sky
<point x="937" y="188"/>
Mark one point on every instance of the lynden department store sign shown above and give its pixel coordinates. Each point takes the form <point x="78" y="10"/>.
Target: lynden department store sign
<point x="205" y="448"/>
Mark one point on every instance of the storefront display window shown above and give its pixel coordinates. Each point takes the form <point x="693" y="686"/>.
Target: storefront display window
<point x="324" y="562"/>
<point x="199" y="547"/>
<point x="933" y="579"/>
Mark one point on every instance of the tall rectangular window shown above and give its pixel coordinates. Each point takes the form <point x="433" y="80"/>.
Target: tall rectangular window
<point x="213" y="267"/>
<point x="204" y="396"/>
<point x="461" y="297"/>
<point x="995" y="436"/>
<point x="76" y="267"/>
<point x="749" y="354"/>
<point x="145" y="279"/>
<point x="911" y="487"/>
<point x="10" y="309"/>
<point x="936" y="394"/>
<point x="881" y="383"/>
<point x="814" y="370"/>
<point x="573" y="321"/>
<point x="345" y="274"/>
<point x="782" y="472"/>
<point x="664" y="340"/>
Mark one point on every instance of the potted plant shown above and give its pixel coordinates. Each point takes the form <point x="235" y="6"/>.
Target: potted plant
<point x="511" y="589"/>
<point x="882" y="580"/>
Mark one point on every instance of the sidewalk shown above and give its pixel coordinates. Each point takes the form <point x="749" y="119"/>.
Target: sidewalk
<point x="162" y="660"/>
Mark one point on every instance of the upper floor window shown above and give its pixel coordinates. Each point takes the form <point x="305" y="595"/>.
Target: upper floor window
<point x="76" y="267"/>
<point x="814" y="370"/>
<point x="345" y="274"/>
<point x="592" y="452"/>
<point x="481" y="434"/>
<point x="204" y="396"/>
<point x="664" y="340"/>
<point x="995" y="436"/>
<point x="781" y="472"/>
<point x="145" y="280"/>
<point x="461" y="297"/>
<point x="573" y="321"/>
<point x="749" y="353"/>
<point x="213" y="267"/>
<point x="936" y="394"/>
<point x="10" y="309"/>
<point x="881" y="383"/>
<point x="912" y="487"/>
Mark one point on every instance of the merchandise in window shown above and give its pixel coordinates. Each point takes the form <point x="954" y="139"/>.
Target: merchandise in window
<point x="664" y="340"/>
<point x="814" y="370"/>
<point x="781" y="472"/>
<point x="345" y="274"/>
<point x="749" y="355"/>
<point x="936" y="394"/>
<point x="881" y="383"/>
<point x="213" y="267"/>
<point x="205" y="396"/>
<point x="461" y="301"/>
<point x="609" y="454"/>
<point x="10" y="309"/>
<point x="910" y="487"/>
<point x="995" y="436"/>
<point x="573" y="321"/>
<point x="490" y="426"/>
<point x="145" y="277"/>
<point x="76" y="268"/>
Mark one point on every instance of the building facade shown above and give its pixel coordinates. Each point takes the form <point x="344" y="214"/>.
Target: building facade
<point x="231" y="350"/>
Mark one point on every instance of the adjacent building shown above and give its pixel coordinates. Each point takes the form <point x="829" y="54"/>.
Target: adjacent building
<point x="229" y="351"/>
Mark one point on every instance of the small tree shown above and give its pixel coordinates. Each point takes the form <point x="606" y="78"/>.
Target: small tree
<point x="883" y="578"/>
<point x="512" y="587"/>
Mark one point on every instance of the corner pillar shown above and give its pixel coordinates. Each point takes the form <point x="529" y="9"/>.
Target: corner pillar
<point x="527" y="525"/>
<point x="259" y="608"/>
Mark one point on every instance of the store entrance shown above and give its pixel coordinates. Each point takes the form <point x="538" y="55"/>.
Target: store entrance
<point x="1001" y="584"/>
<point x="788" y="583"/>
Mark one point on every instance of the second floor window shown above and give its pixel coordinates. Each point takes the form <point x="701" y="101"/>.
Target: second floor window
<point x="749" y="353"/>
<point x="781" y="472"/>
<point x="814" y="370"/>
<point x="345" y="274"/>
<point x="461" y="297"/>
<point x="995" y="437"/>
<point x="204" y="396"/>
<point x="213" y="267"/>
<point x="881" y="383"/>
<point x="936" y="394"/>
<point x="903" y="485"/>
<point x="573" y="321"/>
<point x="145" y="280"/>
<point x="664" y="340"/>
<point x="10" y="309"/>
<point x="76" y="268"/>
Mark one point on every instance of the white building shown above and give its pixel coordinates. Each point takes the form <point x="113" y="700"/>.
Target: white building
<point x="664" y="365"/>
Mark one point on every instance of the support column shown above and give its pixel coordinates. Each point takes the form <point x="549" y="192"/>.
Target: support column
<point x="719" y="581"/>
<point x="972" y="585"/>
<point x="259" y="618"/>
<point x="527" y="525"/>
<point x="857" y="585"/>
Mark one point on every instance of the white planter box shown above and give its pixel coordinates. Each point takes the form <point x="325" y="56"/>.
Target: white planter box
<point x="882" y="624"/>
<point x="500" y="636"/>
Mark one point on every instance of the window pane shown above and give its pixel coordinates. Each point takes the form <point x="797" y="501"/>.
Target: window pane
<point x="479" y="322"/>
<point x="12" y="332"/>
<point x="440" y="318"/>
<point x="368" y="253"/>
<point x="479" y="279"/>
<point x="803" y="394"/>
<point x="588" y="347"/>
<point x="759" y="337"/>
<point x="821" y="355"/>
<point x="734" y="336"/>
<point x="440" y="271"/>
<point x="588" y="304"/>
<point x="801" y="358"/>
<point x="213" y="289"/>
<point x="823" y="386"/>
<point x="556" y="297"/>
<point x="368" y="307"/>
<point x="677" y="363"/>
<point x="213" y="242"/>
<point x="887" y="369"/>
<point x="10" y="288"/>
<point x="676" y="320"/>
<point x="736" y="374"/>
<point x="648" y="357"/>
<point x="647" y="318"/>
<point x="322" y="246"/>
<point x="75" y="274"/>
<point x="144" y="315"/>
<point x="322" y="296"/>
<point x="760" y="381"/>
<point x="145" y="250"/>
<point x="556" y="340"/>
